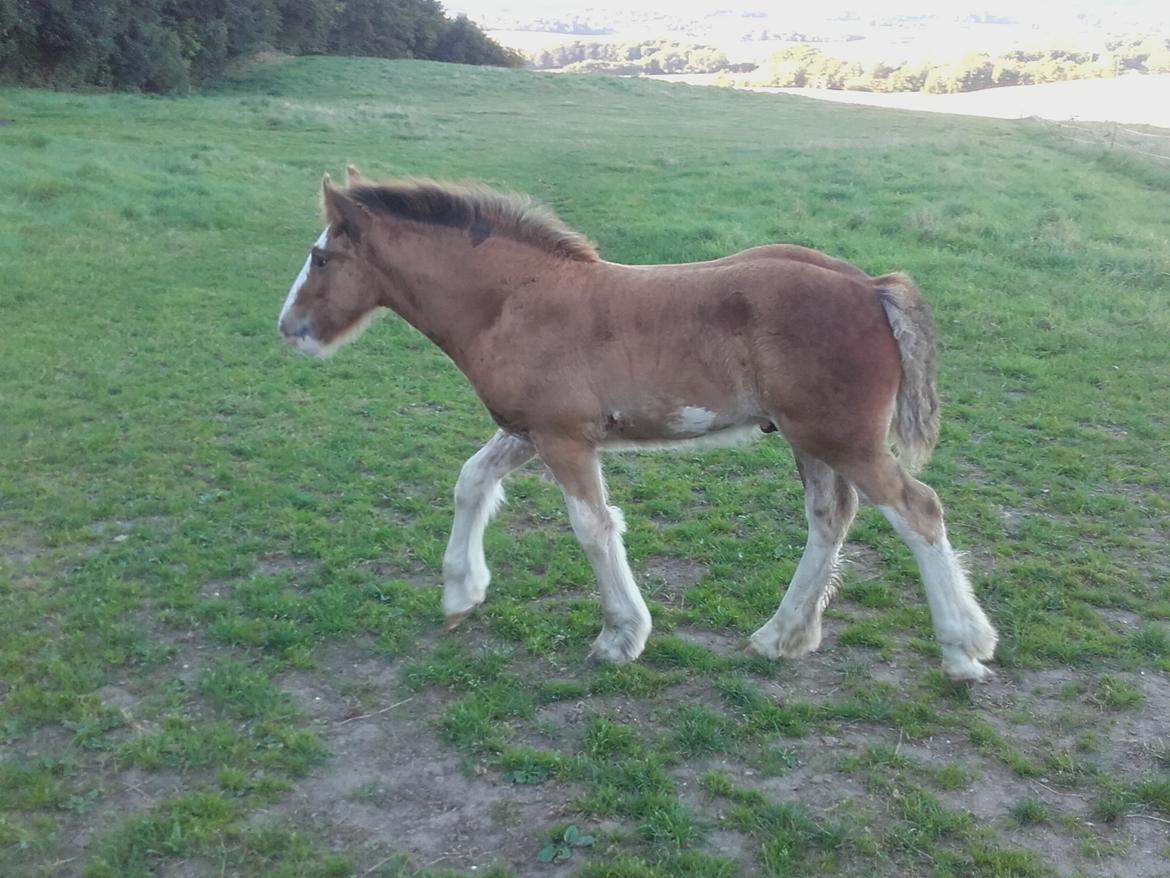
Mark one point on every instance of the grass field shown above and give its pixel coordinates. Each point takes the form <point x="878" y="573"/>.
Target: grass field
<point x="220" y="636"/>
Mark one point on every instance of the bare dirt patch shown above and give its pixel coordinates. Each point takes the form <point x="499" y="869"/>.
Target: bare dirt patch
<point x="280" y="563"/>
<point x="416" y="574"/>
<point x="392" y="786"/>
<point x="718" y="642"/>
<point x="861" y="561"/>
<point x="667" y="579"/>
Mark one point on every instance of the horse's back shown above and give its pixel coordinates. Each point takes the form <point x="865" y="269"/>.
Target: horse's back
<point x="796" y="254"/>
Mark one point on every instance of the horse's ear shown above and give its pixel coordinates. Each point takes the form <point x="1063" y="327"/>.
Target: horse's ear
<point x="351" y="218"/>
<point x="352" y="175"/>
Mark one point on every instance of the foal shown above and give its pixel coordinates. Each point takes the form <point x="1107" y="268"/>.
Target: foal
<point x="572" y="355"/>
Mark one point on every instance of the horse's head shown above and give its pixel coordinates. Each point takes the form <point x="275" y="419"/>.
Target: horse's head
<point x="336" y="293"/>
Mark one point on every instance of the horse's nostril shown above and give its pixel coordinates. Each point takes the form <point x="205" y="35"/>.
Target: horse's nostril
<point x="291" y="330"/>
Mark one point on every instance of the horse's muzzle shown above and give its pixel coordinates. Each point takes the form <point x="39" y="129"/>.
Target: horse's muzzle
<point x="293" y="329"/>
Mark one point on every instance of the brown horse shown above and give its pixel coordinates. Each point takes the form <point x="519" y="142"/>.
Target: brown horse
<point x="573" y="355"/>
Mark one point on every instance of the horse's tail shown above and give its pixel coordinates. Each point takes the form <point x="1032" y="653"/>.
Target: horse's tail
<point x="916" y="410"/>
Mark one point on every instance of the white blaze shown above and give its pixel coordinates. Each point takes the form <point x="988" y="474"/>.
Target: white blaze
<point x="301" y="278"/>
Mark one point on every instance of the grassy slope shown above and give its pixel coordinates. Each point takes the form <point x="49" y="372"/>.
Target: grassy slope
<point x="189" y="513"/>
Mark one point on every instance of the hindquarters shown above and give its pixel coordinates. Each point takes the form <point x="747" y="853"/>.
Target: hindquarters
<point x="848" y="363"/>
<point x="828" y="367"/>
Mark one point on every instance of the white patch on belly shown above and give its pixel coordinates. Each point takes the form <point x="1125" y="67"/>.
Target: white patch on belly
<point x="691" y="419"/>
<point x="301" y="278"/>
<point x="729" y="437"/>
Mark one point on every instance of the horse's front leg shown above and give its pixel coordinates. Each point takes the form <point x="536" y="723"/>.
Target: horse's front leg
<point x="599" y="529"/>
<point x="478" y="494"/>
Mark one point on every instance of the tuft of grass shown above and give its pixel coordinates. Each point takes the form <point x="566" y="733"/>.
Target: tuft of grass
<point x="673" y="652"/>
<point x="1114" y="694"/>
<point x="926" y="815"/>
<point x="699" y="731"/>
<point x="871" y="632"/>
<point x="671" y="825"/>
<point x="952" y="776"/>
<point x="174" y="828"/>
<point x="1153" y="793"/>
<point x="1030" y="812"/>
<point x="1151" y="640"/>
<point x="245" y="692"/>
<point x="606" y="739"/>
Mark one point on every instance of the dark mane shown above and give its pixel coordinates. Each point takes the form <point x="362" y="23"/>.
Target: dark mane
<point x="477" y="209"/>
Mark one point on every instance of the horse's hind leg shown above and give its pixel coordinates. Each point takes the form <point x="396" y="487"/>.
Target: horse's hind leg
<point x="963" y="631"/>
<point x="830" y="503"/>
<point x="478" y="494"/>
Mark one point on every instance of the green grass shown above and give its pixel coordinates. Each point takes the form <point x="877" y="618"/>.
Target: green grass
<point x="216" y="556"/>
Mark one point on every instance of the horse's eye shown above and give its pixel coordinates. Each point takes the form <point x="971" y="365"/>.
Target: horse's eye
<point x="319" y="261"/>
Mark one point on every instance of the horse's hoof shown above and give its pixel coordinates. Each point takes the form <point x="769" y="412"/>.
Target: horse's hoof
<point x="963" y="670"/>
<point x="455" y="618"/>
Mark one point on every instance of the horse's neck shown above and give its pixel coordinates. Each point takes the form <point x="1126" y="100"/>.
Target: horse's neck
<point x="455" y="294"/>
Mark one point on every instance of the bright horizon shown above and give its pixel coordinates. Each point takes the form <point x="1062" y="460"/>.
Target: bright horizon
<point x="944" y="28"/>
<point x="1153" y="11"/>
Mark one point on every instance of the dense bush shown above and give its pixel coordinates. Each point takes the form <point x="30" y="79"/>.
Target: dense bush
<point x="166" y="45"/>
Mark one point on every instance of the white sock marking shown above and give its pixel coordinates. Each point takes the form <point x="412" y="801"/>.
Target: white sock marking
<point x="478" y="495"/>
<point x="959" y="622"/>
<point x="627" y="620"/>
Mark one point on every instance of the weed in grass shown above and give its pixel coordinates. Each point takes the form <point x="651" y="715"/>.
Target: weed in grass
<point x="562" y="844"/>
<point x="523" y="765"/>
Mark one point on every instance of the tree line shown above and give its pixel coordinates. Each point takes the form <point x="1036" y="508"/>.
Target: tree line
<point x="807" y="67"/>
<point x="169" y="45"/>
<point x="630" y="59"/>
